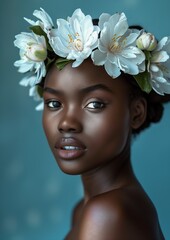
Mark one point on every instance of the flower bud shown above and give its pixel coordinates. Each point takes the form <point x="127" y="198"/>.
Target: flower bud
<point x="146" y="41"/>
<point x="36" y="52"/>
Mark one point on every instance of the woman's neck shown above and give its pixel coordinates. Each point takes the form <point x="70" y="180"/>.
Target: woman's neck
<point x="113" y="175"/>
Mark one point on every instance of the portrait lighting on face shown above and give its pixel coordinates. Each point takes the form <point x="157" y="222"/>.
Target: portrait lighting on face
<point x="98" y="85"/>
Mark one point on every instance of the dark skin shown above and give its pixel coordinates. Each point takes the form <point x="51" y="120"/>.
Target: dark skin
<point x="88" y="119"/>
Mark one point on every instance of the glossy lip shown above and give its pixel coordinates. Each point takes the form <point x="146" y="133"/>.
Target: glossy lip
<point x="77" y="148"/>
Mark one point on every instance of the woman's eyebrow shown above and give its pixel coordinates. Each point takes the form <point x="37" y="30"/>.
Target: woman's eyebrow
<point x="96" y="87"/>
<point x="51" y="90"/>
<point x="85" y="90"/>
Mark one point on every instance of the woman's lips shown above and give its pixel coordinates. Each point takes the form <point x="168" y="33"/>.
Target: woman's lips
<point x="69" y="148"/>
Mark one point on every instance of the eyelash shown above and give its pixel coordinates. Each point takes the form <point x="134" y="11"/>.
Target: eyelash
<point x="99" y="105"/>
<point x="95" y="105"/>
<point x="55" y="104"/>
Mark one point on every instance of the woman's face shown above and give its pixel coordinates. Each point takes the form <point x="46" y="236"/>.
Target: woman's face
<point x="86" y="117"/>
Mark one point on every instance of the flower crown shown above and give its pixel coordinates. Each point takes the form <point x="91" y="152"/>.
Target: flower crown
<point x="111" y="44"/>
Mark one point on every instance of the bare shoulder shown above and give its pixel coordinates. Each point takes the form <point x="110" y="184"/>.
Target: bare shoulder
<point x="119" y="215"/>
<point x="76" y="214"/>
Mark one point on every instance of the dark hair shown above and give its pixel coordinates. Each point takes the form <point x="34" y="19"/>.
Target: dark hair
<point x="155" y="103"/>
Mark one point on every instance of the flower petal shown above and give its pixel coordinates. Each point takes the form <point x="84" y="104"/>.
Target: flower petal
<point x="44" y="17"/>
<point x="160" y="56"/>
<point x="98" y="57"/>
<point x="160" y="85"/>
<point x="104" y="18"/>
<point x="40" y="106"/>
<point x="121" y="24"/>
<point x="128" y="66"/>
<point x="28" y="80"/>
<point x="112" y="69"/>
<point x="161" y="43"/>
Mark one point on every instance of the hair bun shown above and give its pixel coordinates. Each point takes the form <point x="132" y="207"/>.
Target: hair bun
<point x="155" y="111"/>
<point x="154" y="97"/>
<point x="155" y="106"/>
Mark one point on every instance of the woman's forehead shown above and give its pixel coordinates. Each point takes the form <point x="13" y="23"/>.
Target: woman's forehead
<point x="87" y="74"/>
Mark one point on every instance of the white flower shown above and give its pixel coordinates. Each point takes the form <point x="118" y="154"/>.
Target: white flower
<point x="36" y="52"/>
<point x="75" y="38"/>
<point x="33" y="52"/>
<point x="45" y="21"/>
<point x="159" y="67"/>
<point x="34" y="93"/>
<point x="117" y="49"/>
<point x="146" y="41"/>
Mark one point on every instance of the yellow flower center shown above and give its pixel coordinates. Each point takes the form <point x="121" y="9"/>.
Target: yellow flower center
<point x="116" y="46"/>
<point x="78" y="44"/>
<point x="75" y="42"/>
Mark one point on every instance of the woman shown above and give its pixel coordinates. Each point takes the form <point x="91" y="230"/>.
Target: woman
<point x="101" y="85"/>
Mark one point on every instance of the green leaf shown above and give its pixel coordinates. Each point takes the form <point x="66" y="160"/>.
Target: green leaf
<point x="143" y="81"/>
<point x="40" y="90"/>
<point x="39" y="31"/>
<point x="62" y="62"/>
<point x="48" y="62"/>
<point x="147" y="55"/>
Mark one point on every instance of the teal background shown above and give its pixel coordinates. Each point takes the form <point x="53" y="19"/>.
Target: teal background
<point x="36" y="198"/>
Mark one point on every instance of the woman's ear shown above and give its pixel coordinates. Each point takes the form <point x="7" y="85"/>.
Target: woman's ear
<point x="138" y="112"/>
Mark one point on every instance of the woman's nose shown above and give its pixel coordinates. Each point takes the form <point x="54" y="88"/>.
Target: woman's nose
<point x="70" y="122"/>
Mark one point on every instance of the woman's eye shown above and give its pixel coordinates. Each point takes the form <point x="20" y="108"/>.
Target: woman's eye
<point x="95" y="105"/>
<point x="53" y="104"/>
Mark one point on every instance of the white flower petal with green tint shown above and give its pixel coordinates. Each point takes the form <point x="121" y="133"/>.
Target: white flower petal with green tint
<point x="33" y="52"/>
<point x="146" y="41"/>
